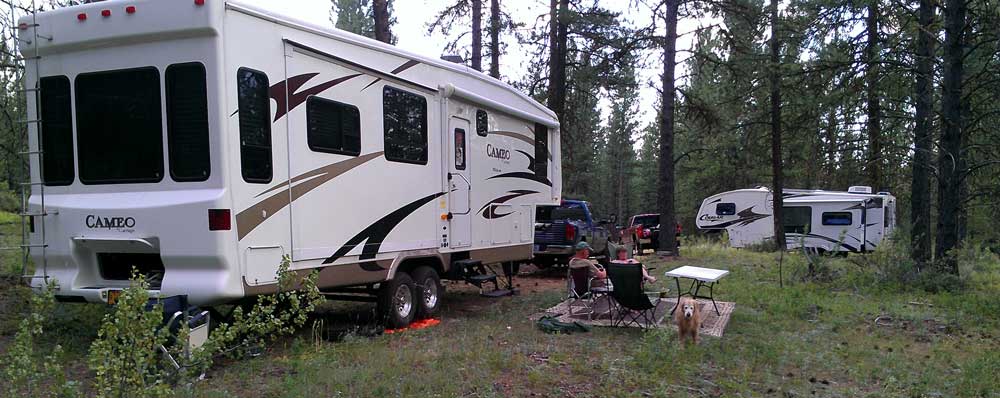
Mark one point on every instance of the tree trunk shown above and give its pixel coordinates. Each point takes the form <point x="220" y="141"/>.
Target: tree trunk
<point x="477" y="35"/>
<point x="920" y="196"/>
<point x="557" y="57"/>
<point x="776" y="164"/>
<point x="875" y="160"/>
<point x="495" y="38"/>
<point x="668" y="220"/>
<point x="381" y="12"/>
<point x="950" y="162"/>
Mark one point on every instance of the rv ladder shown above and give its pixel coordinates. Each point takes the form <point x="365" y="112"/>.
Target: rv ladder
<point x="34" y="87"/>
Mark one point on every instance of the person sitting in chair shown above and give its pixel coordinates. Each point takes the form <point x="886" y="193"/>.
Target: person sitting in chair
<point x="622" y="258"/>
<point x="582" y="260"/>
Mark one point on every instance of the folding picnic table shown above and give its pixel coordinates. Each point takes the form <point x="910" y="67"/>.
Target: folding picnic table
<point x="700" y="277"/>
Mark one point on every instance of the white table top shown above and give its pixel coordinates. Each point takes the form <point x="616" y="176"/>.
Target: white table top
<point x="697" y="273"/>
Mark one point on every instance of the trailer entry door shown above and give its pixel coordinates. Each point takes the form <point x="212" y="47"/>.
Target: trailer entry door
<point x="460" y="182"/>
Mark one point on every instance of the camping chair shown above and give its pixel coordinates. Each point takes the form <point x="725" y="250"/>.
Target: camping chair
<point x="580" y="290"/>
<point x="176" y="311"/>
<point x="634" y="305"/>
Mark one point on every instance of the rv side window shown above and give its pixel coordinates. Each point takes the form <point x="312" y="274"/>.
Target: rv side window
<point x="482" y="123"/>
<point x="119" y="126"/>
<point x="333" y="127"/>
<point x="187" y="122"/>
<point x="404" y="124"/>
<point x="57" y="131"/>
<point x="459" y="149"/>
<point x="797" y="219"/>
<point x="541" y="150"/>
<point x="255" y="125"/>
<point x="725" y="209"/>
<point x="838" y="218"/>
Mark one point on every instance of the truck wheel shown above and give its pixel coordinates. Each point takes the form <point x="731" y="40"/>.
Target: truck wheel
<point x="397" y="301"/>
<point x="428" y="288"/>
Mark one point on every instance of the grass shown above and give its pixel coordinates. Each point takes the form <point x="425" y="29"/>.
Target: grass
<point x="806" y="338"/>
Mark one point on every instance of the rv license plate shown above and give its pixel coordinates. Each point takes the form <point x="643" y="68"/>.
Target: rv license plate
<point x="113" y="296"/>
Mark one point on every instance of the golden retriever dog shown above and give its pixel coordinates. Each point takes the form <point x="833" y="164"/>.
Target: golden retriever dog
<point x="688" y="318"/>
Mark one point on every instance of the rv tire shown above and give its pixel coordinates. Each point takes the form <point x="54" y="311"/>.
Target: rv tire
<point x="428" y="291"/>
<point x="397" y="301"/>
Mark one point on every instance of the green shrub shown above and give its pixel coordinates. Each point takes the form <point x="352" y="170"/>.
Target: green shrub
<point x="10" y="201"/>
<point x="273" y="315"/>
<point x="28" y="371"/>
<point x="127" y="357"/>
<point x="124" y="356"/>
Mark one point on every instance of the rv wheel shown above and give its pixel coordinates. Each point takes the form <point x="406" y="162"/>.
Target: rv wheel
<point x="428" y="287"/>
<point x="396" y="301"/>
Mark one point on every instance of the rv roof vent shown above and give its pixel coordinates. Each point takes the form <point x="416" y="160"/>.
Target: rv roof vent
<point x="453" y="59"/>
<point x="860" y="189"/>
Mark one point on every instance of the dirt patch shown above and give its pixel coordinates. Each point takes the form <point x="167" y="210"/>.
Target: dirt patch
<point x="923" y="330"/>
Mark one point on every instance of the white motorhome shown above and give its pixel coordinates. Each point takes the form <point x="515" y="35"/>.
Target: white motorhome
<point x="826" y="221"/>
<point x="201" y="141"/>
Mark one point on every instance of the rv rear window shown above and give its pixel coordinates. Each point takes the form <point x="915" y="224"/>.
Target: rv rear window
<point x="404" y="123"/>
<point x="725" y="209"/>
<point x="838" y="218"/>
<point x="797" y="219"/>
<point x="187" y="122"/>
<point x="119" y="126"/>
<point x="541" y="150"/>
<point x="57" y="131"/>
<point x="333" y="127"/>
<point x="255" y="125"/>
<point x="482" y="123"/>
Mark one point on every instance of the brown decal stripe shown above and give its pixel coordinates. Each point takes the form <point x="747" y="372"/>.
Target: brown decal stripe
<point x="288" y="89"/>
<point x="248" y="219"/>
<point x="525" y="176"/>
<point x="491" y="212"/>
<point x="375" y="234"/>
<point x="519" y="137"/>
<point x="407" y="65"/>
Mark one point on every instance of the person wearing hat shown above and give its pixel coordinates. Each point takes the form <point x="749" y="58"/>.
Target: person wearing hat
<point x="581" y="260"/>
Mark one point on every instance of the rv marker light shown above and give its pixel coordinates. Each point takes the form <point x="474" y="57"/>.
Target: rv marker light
<point x="219" y="220"/>
<point x="199" y="2"/>
<point x="105" y="13"/>
<point x="81" y="16"/>
<point x="130" y="10"/>
<point x="22" y="26"/>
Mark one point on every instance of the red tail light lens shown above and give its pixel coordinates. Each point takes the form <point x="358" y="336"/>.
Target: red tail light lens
<point x="130" y="10"/>
<point x="570" y="232"/>
<point x="219" y="220"/>
<point x="81" y="17"/>
<point x="105" y="13"/>
<point x="199" y="2"/>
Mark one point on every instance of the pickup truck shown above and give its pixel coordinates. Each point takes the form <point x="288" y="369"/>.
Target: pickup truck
<point x="644" y="232"/>
<point x="559" y="228"/>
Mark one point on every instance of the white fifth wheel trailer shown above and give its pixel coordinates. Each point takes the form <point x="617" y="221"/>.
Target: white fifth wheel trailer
<point x="200" y="141"/>
<point x="827" y="221"/>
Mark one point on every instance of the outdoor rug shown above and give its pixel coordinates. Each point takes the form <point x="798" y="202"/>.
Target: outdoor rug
<point x="711" y="325"/>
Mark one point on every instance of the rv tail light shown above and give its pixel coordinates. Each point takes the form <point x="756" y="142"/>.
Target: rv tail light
<point x="105" y="13"/>
<point x="570" y="232"/>
<point x="199" y="2"/>
<point x="219" y="220"/>
<point x="81" y="16"/>
<point x="130" y="10"/>
<point x="22" y="26"/>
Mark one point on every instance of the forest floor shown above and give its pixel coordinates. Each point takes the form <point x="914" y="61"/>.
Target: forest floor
<point x="844" y="336"/>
